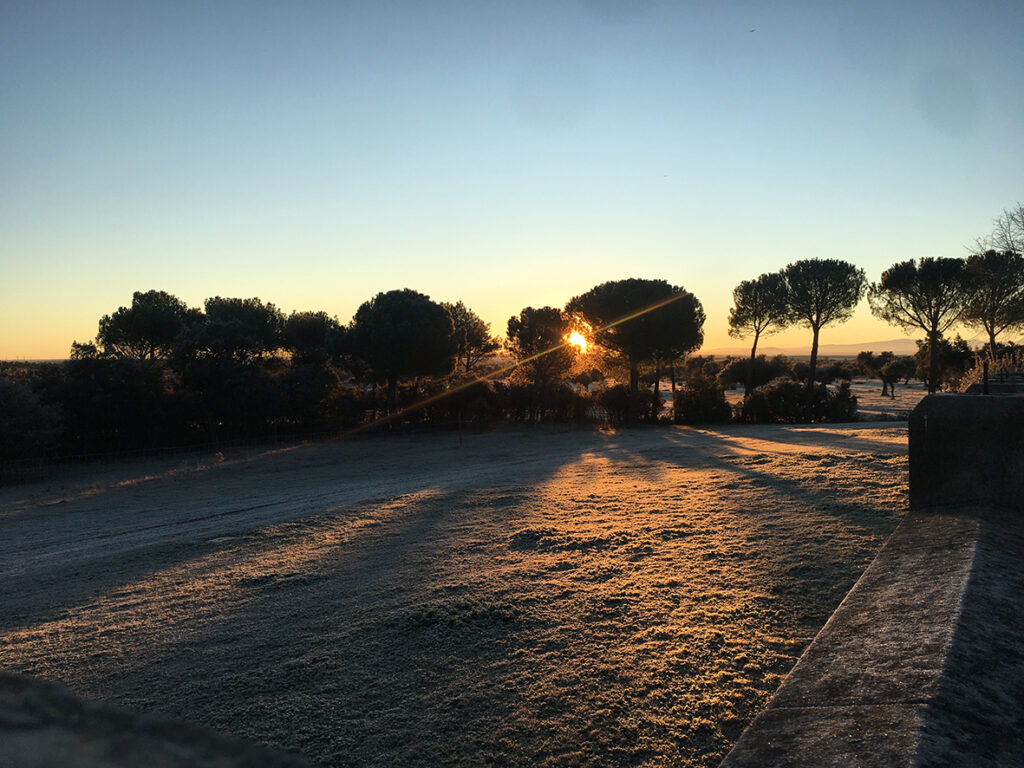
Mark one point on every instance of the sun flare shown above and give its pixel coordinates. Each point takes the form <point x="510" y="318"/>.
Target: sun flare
<point x="578" y="340"/>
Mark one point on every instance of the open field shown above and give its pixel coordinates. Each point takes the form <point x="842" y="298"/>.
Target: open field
<point x="529" y="597"/>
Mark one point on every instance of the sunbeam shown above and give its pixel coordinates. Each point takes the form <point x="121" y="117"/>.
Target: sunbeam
<point x="568" y="342"/>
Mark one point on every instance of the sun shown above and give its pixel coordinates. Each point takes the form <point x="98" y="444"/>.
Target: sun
<point x="578" y="340"/>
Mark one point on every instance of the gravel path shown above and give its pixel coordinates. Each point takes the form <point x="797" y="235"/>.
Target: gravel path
<point x="529" y="597"/>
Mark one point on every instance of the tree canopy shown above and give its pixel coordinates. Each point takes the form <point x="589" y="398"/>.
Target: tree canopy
<point x="822" y="292"/>
<point x="759" y="307"/>
<point x="147" y="329"/>
<point x="929" y="295"/>
<point x="996" y="301"/>
<point x="233" y="331"/>
<point x="641" y="321"/>
<point x="536" y="339"/>
<point x="309" y="335"/>
<point x="473" y="340"/>
<point x="403" y="334"/>
<point x="1007" y="231"/>
<point x="886" y="367"/>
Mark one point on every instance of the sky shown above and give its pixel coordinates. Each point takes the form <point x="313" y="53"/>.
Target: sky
<point x="505" y="154"/>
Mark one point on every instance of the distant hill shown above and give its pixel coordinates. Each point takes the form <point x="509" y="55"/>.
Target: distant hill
<point x="896" y="346"/>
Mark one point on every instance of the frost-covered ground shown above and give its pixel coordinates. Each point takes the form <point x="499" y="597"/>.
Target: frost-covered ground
<point x="531" y="597"/>
<point x="872" y="405"/>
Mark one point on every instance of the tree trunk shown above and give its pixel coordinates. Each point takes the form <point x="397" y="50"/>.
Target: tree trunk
<point x="812" y="370"/>
<point x="750" y="369"/>
<point x="534" y="414"/>
<point x="634" y="390"/>
<point x="814" y="361"/>
<point x="392" y="394"/>
<point x="933" y="361"/>
<point x="657" y="391"/>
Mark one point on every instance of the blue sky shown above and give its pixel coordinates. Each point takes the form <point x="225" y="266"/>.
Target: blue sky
<point x="505" y="154"/>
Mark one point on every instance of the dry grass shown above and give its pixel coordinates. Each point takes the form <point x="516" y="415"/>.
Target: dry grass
<point x="534" y="598"/>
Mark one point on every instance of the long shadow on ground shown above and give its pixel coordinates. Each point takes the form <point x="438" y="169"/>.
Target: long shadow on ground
<point x="977" y="716"/>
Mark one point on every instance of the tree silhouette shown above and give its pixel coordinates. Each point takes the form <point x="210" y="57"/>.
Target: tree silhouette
<point x="641" y="321"/>
<point x="759" y="307"/>
<point x="536" y="339"/>
<point x="243" y="329"/>
<point x="309" y="336"/>
<point x="996" y="301"/>
<point x="952" y="359"/>
<point x="28" y="427"/>
<point x="147" y="329"/>
<point x="473" y="340"/>
<point x="221" y="361"/>
<point x="877" y="367"/>
<point x="822" y="292"/>
<point x="403" y="334"/>
<point x="897" y="369"/>
<point x="1007" y="231"/>
<point x="930" y="295"/>
<point x="311" y="383"/>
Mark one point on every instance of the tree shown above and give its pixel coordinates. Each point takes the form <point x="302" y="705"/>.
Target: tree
<point x="1007" y="231"/>
<point x="311" y="385"/>
<point x="821" y="292"/>
<point x="930" y="295"/>
<point x="901" y="368"/>
<point x="874" y="366"/>
<point x="473" y="340"/>
<point x="536" y="339"/>
<point x="147" y="329"/>
<point x="222" y="361"/>
<point x="756" y="372"/>
<point x="641" y="321"/>
<point x="952" y="360"/>
<point x="996" y="301"/>
<point x="117" y="403"/>
<point x="243" y="329"/>
<point x="403" y="334"/>
<point x="759" y="306"/>
<point x="29" y="427"/>
<point x="308" y="336"/>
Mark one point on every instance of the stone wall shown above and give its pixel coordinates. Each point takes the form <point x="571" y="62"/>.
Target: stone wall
<point x="921" y="665"/>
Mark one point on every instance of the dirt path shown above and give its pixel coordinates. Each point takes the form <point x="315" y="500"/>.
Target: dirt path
<point x="533" y="597"/>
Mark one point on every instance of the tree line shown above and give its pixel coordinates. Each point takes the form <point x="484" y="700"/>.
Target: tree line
<point x="984" y="291"/>
<point x="160" y="373"/>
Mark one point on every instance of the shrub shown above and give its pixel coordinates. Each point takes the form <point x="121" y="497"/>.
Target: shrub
<point x="476" y="403"/>
<point x="954" y="358"/>
<point x="787" y="401"/>
<point x="544" y="402"/>
<point x="826" y="373"/>
<point x="702" y="401"/>
<point x="696" y="366"/>
<point x="28" y="428"/>
<point x="1011" y="360"/>
<point x="735" y="373"/>
<point x="612" y="403"/>
<point x="310" y="392"/>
